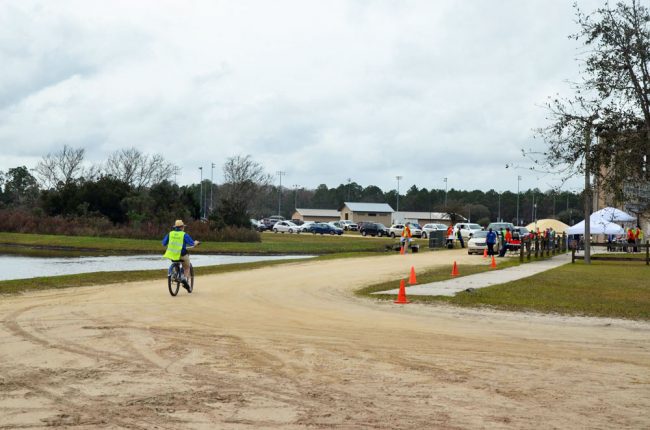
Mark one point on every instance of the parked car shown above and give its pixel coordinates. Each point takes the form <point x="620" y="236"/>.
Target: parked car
<point x="396" y="230"/>
<point x="373" y="229"/>
<point x="337" y="224"/>
<point x="323" y="228"/>
<point x="467" y="229"/>
<point x="305" y="225"/>
<point x="257" y="225"/>
<point x="345" y="223"/>
<point x="428" y="228"/>
<point x="285" y="227"/>
<point x="269" y="223"/>
<point x="521" y="232"/>
<point x="477" y="244"/>
<point x="351" y="226"/>
<point x="498" y="227"/>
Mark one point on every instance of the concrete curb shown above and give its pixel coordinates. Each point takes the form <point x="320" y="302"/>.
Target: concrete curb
<point x="485" y="279"/>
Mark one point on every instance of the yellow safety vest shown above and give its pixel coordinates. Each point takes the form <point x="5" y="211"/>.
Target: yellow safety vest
<point x="175" y="245"/>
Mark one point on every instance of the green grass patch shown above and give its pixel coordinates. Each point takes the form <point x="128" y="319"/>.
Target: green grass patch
<point x="602" y="289"/>
<point x="272" y="243"/>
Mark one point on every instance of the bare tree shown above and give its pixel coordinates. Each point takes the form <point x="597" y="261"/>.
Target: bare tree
<point x="137" y="169"/>
<point x="243" y="179"/>
<point x="61" y="168"/>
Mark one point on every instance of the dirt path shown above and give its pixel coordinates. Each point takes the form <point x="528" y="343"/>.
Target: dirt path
<point x="290" y="347"/>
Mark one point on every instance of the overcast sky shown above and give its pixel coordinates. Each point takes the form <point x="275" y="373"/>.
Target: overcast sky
<point x="322" y="90"/>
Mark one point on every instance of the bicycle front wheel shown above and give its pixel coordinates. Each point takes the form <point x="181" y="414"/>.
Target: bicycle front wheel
<point x="190" y="279"/>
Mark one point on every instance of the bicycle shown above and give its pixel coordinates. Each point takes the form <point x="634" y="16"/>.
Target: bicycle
<point x="174" y="278"/>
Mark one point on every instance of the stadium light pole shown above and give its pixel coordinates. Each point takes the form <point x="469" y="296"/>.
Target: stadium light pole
<point x="280" y="174"/>
<point x="211" y="185"/>
<point x="445" y="179"/>
<point x="499" y="211"/>
<point x="295" y="196"/>
<point x="398" y="179"/>
<point x="518" y="179"/>
<point x="349" y="182"/>
<point x="201" y="195"/>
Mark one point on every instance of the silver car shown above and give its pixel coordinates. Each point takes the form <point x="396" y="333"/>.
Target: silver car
<point x="477" y="244"/>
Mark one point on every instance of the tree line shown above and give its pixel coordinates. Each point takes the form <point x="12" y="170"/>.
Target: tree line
<point x="138" y="190"/>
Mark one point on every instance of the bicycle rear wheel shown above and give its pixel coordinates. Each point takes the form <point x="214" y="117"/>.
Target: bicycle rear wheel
<point x="172" y="281"/>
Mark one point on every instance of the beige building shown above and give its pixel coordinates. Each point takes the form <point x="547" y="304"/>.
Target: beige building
<point x="421" y="217"/>
<point x="373" y="212"/>
<point x="321" y="215"/>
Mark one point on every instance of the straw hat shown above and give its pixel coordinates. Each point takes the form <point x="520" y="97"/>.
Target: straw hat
<point x="179" y="223"/>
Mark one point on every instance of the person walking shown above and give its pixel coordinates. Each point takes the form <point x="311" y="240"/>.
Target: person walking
<point x="459" y="235"/>
<point x="406" y="237"/>
<point x="450" y="237"/>
<point x="507" y="238"/>
<point x="490" y="241"/>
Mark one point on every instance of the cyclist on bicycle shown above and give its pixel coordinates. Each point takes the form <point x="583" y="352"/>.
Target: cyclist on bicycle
<point x="177" y="242"/>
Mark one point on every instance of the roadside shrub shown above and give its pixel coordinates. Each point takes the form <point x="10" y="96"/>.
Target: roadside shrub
<point x="23" y="221"/>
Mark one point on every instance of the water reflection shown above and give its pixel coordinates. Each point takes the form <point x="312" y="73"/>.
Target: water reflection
<point x="20" y="267"/>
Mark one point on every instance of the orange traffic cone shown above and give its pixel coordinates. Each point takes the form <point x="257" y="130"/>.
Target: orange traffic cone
<point x="412" y="279"/>
<point x="401" y="250"/>
<point x="494" y="263"/>
<point x="485" y="253"/>
<point x="401" y="297"/>
<point x="454" y="271"/>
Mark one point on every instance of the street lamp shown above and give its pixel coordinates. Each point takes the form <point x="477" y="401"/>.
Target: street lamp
<point x="518" y="179"/>
<point x="445" y="179"/>
<point x="280" y="174"/>
<point x="201" y="195"/>
<point x="398" y="179"/>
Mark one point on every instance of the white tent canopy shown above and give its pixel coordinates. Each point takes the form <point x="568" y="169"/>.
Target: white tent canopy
<point x="613" y="215"/>
<point x="596" y="227"/>
<point x="603" y="222"/>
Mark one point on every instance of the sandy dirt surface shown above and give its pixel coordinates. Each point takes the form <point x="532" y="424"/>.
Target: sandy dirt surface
<point x="290" y="347"/>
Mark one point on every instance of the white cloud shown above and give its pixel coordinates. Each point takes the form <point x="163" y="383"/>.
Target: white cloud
<point x="322" y="90"/>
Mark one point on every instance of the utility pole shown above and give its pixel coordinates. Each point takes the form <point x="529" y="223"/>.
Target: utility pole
<point x="280" y="174"/>
<point x="201" y="195"/>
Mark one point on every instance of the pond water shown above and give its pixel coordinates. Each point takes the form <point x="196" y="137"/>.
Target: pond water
<point x="20" y="267"/>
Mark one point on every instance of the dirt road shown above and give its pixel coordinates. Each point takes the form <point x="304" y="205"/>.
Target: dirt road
<point x="290" y="348"/>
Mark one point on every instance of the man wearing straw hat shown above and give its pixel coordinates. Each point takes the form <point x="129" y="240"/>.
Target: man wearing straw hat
<point x="177" y="242"/>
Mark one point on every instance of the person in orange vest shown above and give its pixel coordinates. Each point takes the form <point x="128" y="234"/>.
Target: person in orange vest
<point x="638" y="235"/>
<point x="406" y="237"/>
<point x="507" y="238"/>
<point x="450" y="237"/>
<point x="631" y="240"/>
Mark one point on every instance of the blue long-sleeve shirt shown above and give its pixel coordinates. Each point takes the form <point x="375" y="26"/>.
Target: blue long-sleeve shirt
<point x="187" y="241"/>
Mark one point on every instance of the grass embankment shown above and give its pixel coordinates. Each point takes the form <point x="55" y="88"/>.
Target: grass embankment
<point x="271" y="244"/>
<point x="602" y="289"/>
